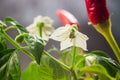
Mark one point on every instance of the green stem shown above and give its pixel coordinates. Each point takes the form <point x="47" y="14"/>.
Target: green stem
<point x="40" y="32"/>
<point x="105" y="30"/>
<point x="40" y="25"/>
<point x="73" y="62"/>
<point x="74" y="75"/>
<point x="10" y="27"/>
<point x="73" y="59"/>
<point x="111" y="40"/>
<point x="17" y="45"/>
<point x="65" y="66"/>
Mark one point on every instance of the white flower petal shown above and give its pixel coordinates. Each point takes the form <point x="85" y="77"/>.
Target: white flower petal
<point x="61" y="33"/>
<point x="47" y="20"/>
<point x="66" y="44"/>
<point x="38" y="18"/>
<point x="46" y="30"/>
<point x="32" y="29"/>
<point x="44" y="36"/>
<point x="80" y="40"/>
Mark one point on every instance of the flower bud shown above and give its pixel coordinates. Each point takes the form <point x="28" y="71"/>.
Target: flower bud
<point x="97" y="11"/>
<point x="67" y="18"/>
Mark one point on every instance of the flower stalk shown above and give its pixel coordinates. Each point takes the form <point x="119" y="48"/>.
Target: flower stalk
<point x="73" y="52"/>
<point x="73" y="62"/>
<point x="40" y="25"/>
<point x="105" y="30"/>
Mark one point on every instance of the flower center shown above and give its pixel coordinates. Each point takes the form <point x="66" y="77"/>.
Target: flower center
<point x="72" y="34"/>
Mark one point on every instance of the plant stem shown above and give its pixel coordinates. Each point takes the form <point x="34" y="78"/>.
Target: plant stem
<point x="10" y="27"/>
<point x="46" y="53"/>
<point x="65" y="66"/>
<point x="40" y="26"/>
<point x="40" y="32"/>
<point x="73" y="59"/>
<point x="105" y="30"/>
<point x="110" y="39"/>
<point x="73" y="74"/>
<point x="73" y="62"/>
<point x="17" y="45"/>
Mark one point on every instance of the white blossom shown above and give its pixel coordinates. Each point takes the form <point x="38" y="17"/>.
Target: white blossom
<point x="47" y="29"/>
<point x="69" y="36"/>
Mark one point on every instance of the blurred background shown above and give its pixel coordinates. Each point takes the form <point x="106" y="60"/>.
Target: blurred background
<point x="25" y="10"/>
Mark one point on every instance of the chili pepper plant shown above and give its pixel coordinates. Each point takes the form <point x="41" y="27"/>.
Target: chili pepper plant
<point x="74" y="61"/>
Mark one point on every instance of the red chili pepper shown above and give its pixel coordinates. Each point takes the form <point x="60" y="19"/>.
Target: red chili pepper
<point x="66" y="17"/>
<point x="97" y="11"/>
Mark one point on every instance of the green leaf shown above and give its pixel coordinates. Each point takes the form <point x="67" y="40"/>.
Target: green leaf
<point x="99" y="53"/>
<point x="14" y="67"/>
<point x="118" y="75"/>
<point x="47" y="70"/>
<point x="19" y="27"/>
<point x="36" y="46"/>
<point x="3" y="44"/>
<point x="100" y="57"/>
<point x="9" y="65"/>
<point x="66" y="57"/>
<point x="4" y="56"/>
<point x="111" y="66"/>
<point x="9" y="19"/>
<point x="87" y="78"/>
<point x="79" y="61"/>
<point x="97" y="69"/>
<point x="79" y="64"/>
